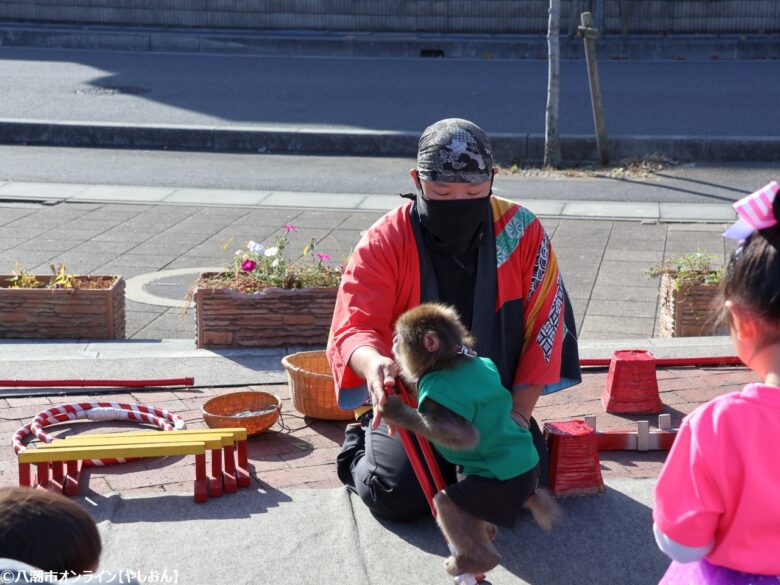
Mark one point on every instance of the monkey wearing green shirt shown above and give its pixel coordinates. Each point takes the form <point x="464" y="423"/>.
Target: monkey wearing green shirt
<point x="435" y="357"/>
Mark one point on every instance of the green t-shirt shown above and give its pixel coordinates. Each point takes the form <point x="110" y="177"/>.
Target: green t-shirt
<point x="473" y="390"/>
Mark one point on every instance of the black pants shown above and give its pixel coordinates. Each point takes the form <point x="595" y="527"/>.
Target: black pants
<point x="375" y="466"/>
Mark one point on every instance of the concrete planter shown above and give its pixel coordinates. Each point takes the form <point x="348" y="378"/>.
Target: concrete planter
<point x="272" y="317"/>
<point x="689" y="310"/>
<point x="77" y="313"/>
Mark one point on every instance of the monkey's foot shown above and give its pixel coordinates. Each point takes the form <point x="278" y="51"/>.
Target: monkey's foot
<point x="460" y="563"/>
<point x="452" y="565"/>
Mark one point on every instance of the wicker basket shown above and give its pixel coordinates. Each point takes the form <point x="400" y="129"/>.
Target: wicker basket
<point x="311" y="386"/>
<point x="255" y="411"/>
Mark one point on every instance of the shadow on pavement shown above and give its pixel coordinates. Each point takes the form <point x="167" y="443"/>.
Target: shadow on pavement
<point x="175" y="508"/>
<point x="738" y="191"/>
<point x="657" y="185"/>
<point x="583" y="548"/>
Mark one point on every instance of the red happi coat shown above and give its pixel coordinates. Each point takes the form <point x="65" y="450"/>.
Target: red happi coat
<point x="382" y="280"/>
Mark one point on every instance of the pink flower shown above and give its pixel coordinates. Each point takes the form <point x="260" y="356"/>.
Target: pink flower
<point x="248" y="265"/>
<point x="290" y="227"/>
<point x="323" y="257"/>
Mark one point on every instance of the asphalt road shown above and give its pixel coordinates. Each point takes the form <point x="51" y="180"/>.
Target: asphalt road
<point x="640" y="97"/>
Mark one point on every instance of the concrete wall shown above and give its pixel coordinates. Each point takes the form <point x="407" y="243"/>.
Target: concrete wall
<point x="436" y="16"/>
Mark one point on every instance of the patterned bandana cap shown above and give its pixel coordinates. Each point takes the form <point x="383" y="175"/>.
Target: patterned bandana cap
<point x="454" y="151"/>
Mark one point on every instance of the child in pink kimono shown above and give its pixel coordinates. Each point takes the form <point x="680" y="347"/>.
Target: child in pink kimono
<point x="717" y="500"/>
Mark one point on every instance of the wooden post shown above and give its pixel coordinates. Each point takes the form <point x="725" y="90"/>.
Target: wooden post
<point x="590" y="420"/>
<point x="665" y="422"/>
<point x="201" y="482"/>
<point x="242" y="464"/>
<point x="73" y="477"/>
<point x="25" y="475"/>
<point x="229" y="471"/>
<point x="643" y="435"/>
<point x="215" y="479"/>
<point x="42" y="468"/>
<point x="589" y="36"/>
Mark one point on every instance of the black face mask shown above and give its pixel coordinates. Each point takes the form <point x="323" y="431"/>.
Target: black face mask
<point x="455" y="226"/>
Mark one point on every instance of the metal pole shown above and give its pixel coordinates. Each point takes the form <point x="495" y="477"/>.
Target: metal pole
<point x="589" y="36"/>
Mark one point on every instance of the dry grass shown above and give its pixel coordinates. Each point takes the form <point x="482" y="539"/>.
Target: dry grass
<point x="47" y="282"/>
<point x="630" y="168"/>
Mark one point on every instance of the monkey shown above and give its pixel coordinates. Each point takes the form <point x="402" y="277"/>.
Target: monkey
<point x="457" y="392"/>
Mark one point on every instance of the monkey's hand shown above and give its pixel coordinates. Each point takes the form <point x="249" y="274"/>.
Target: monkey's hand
<point x="397" y="413"/>
<point x="435" y="422"/>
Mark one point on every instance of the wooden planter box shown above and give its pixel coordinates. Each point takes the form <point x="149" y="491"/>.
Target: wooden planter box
<point x="272" y="317"/>
<point x="689" y="311"/>
<point x="64" y="313"/>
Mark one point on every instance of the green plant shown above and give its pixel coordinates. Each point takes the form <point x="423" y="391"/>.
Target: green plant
<point x="257" y="267"/>
<point x="689" y="269"/>
<point x="23" y="279"/>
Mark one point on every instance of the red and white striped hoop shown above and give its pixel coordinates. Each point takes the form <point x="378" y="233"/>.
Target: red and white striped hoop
<point x="97" y="411"/>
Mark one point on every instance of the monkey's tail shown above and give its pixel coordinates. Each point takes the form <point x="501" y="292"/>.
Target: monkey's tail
<point x="544" y="509"/>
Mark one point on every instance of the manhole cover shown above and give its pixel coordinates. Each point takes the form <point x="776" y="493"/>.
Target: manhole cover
<point x="112" y="90"/>
<point x="167" y="288"/>
<point x="171" y="287"/>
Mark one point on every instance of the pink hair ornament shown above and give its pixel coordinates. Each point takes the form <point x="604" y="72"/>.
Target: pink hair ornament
<point x="755" y="213"/>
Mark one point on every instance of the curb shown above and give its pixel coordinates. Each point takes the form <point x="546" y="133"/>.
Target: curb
<point x="37" y="350"/>
<point x="379" y="44"/>
<point x="15" y="192"/>
<point x="525" y="147"/>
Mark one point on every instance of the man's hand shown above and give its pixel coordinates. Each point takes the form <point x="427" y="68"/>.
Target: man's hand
<point x="380" y="374"/>
<point x="378" y="371"/>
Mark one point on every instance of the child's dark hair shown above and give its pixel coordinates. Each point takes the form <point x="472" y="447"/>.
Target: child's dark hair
<point x="48" y="531"/>
<point x="752" y="276"/>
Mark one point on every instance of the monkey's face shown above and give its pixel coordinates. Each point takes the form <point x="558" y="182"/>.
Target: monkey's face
<point x="405" y="360"/>
<point x="426" y="338"/>
<point x="397" y="348"/>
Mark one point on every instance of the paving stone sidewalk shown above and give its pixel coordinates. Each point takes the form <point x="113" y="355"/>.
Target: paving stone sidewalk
<point x="302" y="454"/>
<point x="603" y="261"/>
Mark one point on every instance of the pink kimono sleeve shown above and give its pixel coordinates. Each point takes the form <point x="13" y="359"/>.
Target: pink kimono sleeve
<point x="688" y="504"/>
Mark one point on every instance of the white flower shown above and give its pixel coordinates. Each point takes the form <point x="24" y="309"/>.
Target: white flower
<point x="275" y="263"/>
<point x="255" y="248"/>
<point x="272" y="251"/>
<point x="239" y="252"/>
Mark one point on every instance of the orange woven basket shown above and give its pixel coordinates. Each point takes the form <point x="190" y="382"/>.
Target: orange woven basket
<point x="256" y="411"/>
<point x="311" y="386"/>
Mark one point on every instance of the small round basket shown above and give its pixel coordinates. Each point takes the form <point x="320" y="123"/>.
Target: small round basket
<point x="255" y="411"/>
<point x="311" y="386"/>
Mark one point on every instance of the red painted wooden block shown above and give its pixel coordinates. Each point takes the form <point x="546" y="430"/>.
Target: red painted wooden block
<point x="631" y="386"/>
<point x="574" y="459"/>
